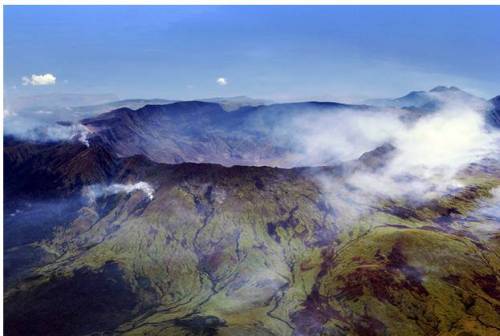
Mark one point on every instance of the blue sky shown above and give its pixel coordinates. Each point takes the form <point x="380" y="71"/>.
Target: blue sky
<point x="282" y="53"/>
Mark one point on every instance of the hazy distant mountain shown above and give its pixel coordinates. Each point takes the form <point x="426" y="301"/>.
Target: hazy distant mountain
<point x="92" y="110"/>
<point x="43" y="110"/>
<point x="420" y="103"/>
<point x="61" y="100"/>
<point x="228" y="103"/>
<point x="27" y="112"/>
<point x="426" y="100"/>
<point x="234" y="103"/>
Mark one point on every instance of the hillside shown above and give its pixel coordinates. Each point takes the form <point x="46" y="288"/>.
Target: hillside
<point x="241" y="250"/>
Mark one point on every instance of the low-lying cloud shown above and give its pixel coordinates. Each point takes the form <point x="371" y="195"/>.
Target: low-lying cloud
<point x="490" y="208"/>
<point x="322" y="138"/>
<point x="430" y="153"/>
<point x="429" y="150"/>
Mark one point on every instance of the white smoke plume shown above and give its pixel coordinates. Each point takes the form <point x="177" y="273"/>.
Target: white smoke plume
<point x="93" y="192"/>
<point x="63" y="132"/>
<point x="50" y="132"/>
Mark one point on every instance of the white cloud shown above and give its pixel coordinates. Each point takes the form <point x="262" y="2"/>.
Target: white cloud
<point x="37" y="80"/>
<point x="8" y="113"/>
<point x="337" y="135"/>
<point x="490" y="208"/>
<point x="430" y="151"/>
<point x="221" y="81"/>
<point x="430" y="154"/>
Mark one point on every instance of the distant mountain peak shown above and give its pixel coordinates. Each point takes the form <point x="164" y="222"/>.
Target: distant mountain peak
<point x="428" y="100"/>
<point x="181" y="104"/>
<point x="442" y="88"/>
<point x="412" y="93"/>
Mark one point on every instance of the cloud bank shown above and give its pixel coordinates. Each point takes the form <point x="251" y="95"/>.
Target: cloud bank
<point x="430" y="150"/>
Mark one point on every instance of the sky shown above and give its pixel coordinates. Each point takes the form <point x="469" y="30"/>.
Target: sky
<point x="283" y="53"/>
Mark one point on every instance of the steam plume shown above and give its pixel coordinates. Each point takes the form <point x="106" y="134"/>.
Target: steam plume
<point x="95" y="191"/>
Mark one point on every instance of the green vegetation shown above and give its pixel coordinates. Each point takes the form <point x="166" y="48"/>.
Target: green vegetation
<point x="261" y="251"/>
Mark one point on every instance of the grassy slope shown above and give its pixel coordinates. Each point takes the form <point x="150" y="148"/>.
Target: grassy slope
<point x="245" y="251"/>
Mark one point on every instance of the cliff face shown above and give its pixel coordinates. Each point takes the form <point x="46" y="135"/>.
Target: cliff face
<point x="240" y="250"/>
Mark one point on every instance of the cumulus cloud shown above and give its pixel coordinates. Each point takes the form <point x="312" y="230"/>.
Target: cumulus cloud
<point x="95" y="191"/>
<point x="221" y="81"/>
<point x="38" y="80"/>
